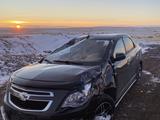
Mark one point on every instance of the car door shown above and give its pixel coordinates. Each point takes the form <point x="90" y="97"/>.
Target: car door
<point x="131" y="57"/>
<point x="121" y="68"/>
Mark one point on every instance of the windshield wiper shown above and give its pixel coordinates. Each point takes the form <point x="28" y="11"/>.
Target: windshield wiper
<point x="68" y="62"/>
<point x="48" y="61"/>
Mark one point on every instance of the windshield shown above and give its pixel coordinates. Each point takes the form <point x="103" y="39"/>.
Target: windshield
<point x="87" y="50"/>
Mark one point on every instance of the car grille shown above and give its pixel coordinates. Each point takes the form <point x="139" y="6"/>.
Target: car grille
<point x="30" y="100"/>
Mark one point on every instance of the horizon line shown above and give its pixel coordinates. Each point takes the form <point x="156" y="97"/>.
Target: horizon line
<point x="65" y="27"/>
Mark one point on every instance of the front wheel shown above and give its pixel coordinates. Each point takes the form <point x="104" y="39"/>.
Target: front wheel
<point x="105" y="109"/>
<point x="103" y="112"/>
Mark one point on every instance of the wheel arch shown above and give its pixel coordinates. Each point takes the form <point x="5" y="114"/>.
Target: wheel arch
<point x="111" y="92"/>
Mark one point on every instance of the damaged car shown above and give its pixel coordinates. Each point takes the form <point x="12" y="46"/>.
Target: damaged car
<point x="85" y="79"/>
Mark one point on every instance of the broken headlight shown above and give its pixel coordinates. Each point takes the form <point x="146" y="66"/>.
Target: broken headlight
<point x="78" y="98"/>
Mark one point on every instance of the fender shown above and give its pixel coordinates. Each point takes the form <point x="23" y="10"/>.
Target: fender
<point x="109" y="81"/>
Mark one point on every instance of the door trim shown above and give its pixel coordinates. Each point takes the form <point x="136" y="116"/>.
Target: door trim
<point x="119" y="100"/>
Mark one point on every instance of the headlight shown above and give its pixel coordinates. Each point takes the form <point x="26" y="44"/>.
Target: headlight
<point x="78" y="98"/>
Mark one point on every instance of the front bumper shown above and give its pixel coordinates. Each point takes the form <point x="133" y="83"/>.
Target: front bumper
<point x="7" y="113"/>
<point x="8" y="110"/>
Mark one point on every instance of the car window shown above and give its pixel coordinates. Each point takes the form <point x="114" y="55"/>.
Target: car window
<point x="119" y="48"/>
<point x="128" y="44"/>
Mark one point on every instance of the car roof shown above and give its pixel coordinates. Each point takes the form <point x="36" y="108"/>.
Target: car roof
<point x="106" y="36"/>
<point x="103" y="36"/>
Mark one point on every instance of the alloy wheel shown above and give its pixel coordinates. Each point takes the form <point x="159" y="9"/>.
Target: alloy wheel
<point x="103" y="112"/>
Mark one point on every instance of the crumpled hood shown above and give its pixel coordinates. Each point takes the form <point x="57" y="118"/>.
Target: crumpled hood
<point x="54" y="73"/>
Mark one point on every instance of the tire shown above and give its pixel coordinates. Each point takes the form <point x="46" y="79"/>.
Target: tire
<point x="104" y="109"/>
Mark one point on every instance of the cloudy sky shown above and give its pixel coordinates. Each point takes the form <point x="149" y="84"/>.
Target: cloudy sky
<point x="79" y="13"/>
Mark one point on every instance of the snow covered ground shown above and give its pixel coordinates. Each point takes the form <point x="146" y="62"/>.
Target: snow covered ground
<point x="20" y="48"/>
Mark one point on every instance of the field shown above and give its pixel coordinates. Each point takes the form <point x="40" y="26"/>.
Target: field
<point x="18" y="49"/>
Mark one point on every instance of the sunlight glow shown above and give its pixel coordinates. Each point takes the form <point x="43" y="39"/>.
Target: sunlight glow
<point x="18" y="26"/>
<point x="17" y="22"/>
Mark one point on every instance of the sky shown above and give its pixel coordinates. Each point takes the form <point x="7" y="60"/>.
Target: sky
<point x="79" y="13"/>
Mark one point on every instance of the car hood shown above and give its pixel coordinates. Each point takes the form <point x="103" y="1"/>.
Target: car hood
<point x="54" y="74"/>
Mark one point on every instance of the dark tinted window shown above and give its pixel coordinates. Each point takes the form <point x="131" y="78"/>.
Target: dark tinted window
<point x="119" y="48"/>
<point x="128" y="44"/>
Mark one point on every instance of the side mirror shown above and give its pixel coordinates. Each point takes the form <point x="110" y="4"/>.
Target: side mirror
<point x="120" y="56"/>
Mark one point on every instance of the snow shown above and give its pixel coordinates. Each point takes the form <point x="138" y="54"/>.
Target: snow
<point x="155" y="79"/>
<point x="28" y="44"/>
<point x="146" y="44"/>
<point x="147" y="72"/>
<point x="3" y="79"/>
<point x="48" y="42"/>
